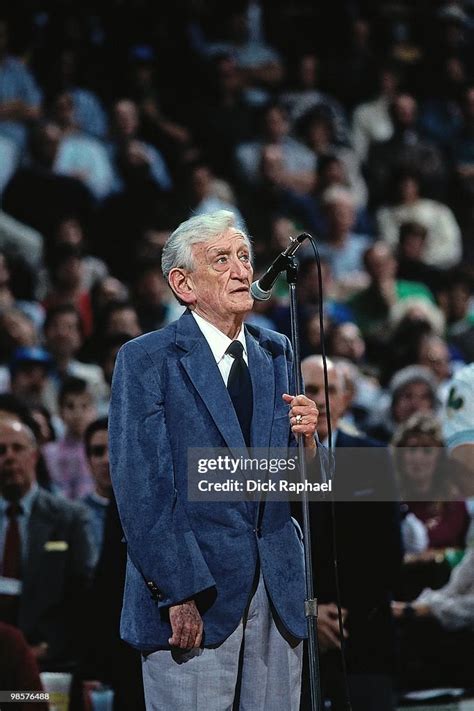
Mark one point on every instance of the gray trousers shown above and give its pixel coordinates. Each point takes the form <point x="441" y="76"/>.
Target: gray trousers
<point x="257" y="668"/>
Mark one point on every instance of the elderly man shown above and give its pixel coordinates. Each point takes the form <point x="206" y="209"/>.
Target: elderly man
<point x="46" y="552"/>
<point x="368" y="521"/>
<point x="214" y="592"/>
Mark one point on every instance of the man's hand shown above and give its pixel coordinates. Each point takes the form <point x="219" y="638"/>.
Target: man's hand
<point x="303" y="416"/>
<point x="328" y="627"/>
<point x="186" y="624"/>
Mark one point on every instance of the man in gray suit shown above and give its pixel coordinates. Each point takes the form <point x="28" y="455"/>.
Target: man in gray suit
<point x="46" y="552"/>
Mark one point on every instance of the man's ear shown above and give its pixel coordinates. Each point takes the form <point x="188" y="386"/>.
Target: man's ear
<point x="181" y="284"/>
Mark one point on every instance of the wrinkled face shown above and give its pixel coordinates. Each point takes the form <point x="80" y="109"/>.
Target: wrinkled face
<point x="77" y="412"/>
<point x="414" y="397"/>
<point x="98" y="456"/>
<point x="313" y="376"/>
<point x="420" y="456"/>
<point x="220" y="282"/>
<point x="18" y="457"/>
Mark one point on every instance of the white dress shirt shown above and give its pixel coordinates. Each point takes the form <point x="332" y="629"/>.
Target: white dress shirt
<point x="219" y="343"/>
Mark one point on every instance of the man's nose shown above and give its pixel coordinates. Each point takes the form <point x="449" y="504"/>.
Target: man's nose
<point x="240" y="270"/>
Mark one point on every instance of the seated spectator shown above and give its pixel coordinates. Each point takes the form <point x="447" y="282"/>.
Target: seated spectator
<point x="437" y="632"/>
<point x="370" y="643"/>
<point x="208" y="193"/>
<point x="318" y="133"/>
<point x="121" y="317"/>
<point x="440" y="115"/>
<point x="29" y="369"/>
<point x="45" y="597"/>
<point x="371" y="121"/>
<point x="152" y="298"/>
<point x="18" y="666"/>
<point x="425" y="485"/>
<point x="344" y="340"/>
<point x="344" y="249"/>
<point x="406" y="150"/>
<point x="298" y="161"/>
<point x="127" y="149"/>
<point x="66" y="458"/>
<point x="89" y="113"/>
<point x="443" y="241"/>
<point x="412" y="390"/>
<point x="455" y="296"/>
<point x="259" y="63"/>
<point x="39" y="197"/>
<point x="410" y="255"/>
<point x="20" y="97"/>
<point x="433" y="353"/>
<point x="66" y="271"/>
<point x="63" y="340"/>
<point x="307" y="96"/>
<point x="80" y="155"/>
<point x="372" y="306"/>
<point x="97" y="501"/>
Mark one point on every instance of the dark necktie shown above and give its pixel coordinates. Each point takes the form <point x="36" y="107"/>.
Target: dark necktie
<point x="239" y="386"/>
<point x="12" y="549"/>
<point x="11" y="565"/>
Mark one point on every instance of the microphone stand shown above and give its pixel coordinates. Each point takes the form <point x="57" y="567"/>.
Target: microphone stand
<point x="311" y="603"/>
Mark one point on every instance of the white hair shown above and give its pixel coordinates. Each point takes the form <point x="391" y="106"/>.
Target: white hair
<point x="177" y="251"/>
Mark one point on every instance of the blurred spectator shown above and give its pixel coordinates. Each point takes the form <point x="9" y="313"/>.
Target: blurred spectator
<point x="425" y="483"/>
<point x="97" y="501"/>
<point x="129" y="153"/>
<point x="370" y="644"/>
<point x="16" y="330"/>
<point x="44" y="421"/>
<point x="433" y="353"/>
<point x="67" y="277"/>
<point x="440" y="114"/>
<point x="260" y="64"/>
<point x="63" y="339"/>
<point x="411" y="248"/>
<point x="36" y="195"/>
<point x="208" y="193"/>
<point x="407" y="149"/>
<point x="344" y="249"/>
<point x="412" y="390"/>
<point x="47" y="553"/>
<point x="443" y="243"/>
<point x="110" y="347"/>
<point x="371" y="306"/>
<point x="20" y="98"/>
<point x="66" y="458"/>
<point x="344" y="340"/>
<point x="152" y="298"/>
<point x="29" y="369"/>
<point x="89" y="114"/>
<point x="80" y="155"/>
<point x="307" y="96"/>
<point x="318" y="132"/>
<point x="459" y="311"/>
<point x="121" y="317"/>
<point x="371" y="121"/>
<point x="298" y="162"/>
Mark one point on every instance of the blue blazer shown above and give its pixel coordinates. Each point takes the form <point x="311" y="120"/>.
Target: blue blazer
<point x="168" y="395"/>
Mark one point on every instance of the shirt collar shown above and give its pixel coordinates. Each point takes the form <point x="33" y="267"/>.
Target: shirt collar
<point x="218" y="341"/>
<point x="26" y="502"/>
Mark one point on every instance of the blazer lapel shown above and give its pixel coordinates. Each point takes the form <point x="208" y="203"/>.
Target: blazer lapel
<point x="263" y="385"/>
<point x="203" y="372"/>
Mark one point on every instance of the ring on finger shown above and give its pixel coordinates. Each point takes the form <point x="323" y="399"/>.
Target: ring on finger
<point x="299" y="419"/>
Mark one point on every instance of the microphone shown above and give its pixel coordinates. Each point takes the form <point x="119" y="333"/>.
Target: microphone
<point x="261" y="289"/>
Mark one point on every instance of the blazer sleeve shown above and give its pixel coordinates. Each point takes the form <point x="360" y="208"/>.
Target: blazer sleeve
<point x="161" y="543"/>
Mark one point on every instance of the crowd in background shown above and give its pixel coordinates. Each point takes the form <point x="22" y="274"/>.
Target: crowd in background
<point x="353" y="122"/>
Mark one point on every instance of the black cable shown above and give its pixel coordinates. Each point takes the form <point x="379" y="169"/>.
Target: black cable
<point x="331" y="460"/>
